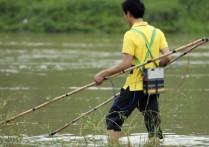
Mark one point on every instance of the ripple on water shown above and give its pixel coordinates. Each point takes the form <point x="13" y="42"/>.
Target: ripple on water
<point x="135" y="140"/>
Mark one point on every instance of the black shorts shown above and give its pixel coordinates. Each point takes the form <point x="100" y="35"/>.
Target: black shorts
<point x="125" y="103"/>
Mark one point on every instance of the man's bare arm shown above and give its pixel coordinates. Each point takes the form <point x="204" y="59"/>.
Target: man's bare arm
<point x="165" y="60"/>
<point x="124" y="64"/>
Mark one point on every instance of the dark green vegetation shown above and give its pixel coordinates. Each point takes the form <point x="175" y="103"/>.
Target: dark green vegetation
<point x="96" y="16"/>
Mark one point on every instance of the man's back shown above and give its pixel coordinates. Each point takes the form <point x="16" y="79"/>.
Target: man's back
<point x="134" y="44"/>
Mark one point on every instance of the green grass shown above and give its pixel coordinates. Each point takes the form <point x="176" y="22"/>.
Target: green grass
<point x="104" y="16"/>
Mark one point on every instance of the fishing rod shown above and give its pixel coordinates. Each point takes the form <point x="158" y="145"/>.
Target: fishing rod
<point x="84" y="114"/>
<point x="94" y="109"/>
<point x="94" y="83"/>
<point x="47" y="103"/>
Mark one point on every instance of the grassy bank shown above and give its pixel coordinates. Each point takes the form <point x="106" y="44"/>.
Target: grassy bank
<point x="93" y="16"/>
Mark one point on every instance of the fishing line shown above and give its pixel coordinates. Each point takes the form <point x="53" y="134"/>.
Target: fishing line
<point x="184" y="74"/>
<point x="187" y="68"/>
<point x="164" y="107"/>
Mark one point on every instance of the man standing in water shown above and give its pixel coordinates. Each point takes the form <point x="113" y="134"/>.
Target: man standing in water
<point x="134" y="52"/>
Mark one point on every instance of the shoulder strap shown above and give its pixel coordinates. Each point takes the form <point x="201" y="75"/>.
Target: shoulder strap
<point x="148" y="45"/>
<point x="153" y="37"/>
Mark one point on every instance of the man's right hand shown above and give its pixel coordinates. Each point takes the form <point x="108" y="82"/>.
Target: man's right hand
<point x="99" y="78"/>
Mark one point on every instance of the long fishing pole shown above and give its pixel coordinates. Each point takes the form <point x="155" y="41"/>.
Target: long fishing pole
<point x="94" y="83"/>
<point x="47" y="103"/>
<point x="84" y="114"/>
<point x="94" y="109"/>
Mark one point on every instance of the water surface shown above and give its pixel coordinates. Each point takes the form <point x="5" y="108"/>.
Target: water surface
<point x="37" y="68"/>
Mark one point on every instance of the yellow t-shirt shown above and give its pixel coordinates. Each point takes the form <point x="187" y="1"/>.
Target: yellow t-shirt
<point x="134" y="45"/>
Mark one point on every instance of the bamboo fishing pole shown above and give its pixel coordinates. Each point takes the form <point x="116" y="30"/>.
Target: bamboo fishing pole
<point x="94" y="83"/>
<point x="47" y="103"/>
<point x="84" y="114"/>
<point x="102" y="104"/>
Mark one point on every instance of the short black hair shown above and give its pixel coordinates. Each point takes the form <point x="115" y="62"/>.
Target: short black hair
<point x="135" y="7"/>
